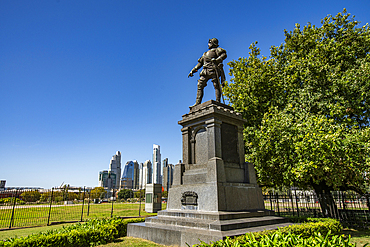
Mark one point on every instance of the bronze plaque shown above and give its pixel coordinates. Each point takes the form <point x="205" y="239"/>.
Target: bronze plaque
<point x="189" y="198"/>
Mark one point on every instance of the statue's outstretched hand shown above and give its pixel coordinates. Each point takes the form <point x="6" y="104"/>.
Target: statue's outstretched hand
<point x="190" y="74"/>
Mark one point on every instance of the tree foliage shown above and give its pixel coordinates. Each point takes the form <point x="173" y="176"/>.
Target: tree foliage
<point x="98" y="193"/>
<point x="140" y="193"/>
<point x="307" y="106"/>
<point x="31" y="196"/>
<point x="125" y="194"/>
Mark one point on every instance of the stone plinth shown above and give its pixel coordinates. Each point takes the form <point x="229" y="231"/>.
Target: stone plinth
<point x="214" y="193"/>
<point x="214" y="167"/>
<point x="181" y="227"/>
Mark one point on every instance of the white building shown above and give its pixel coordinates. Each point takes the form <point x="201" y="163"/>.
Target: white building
<point x="145" y="174"/>
<point x="157" y="174"/>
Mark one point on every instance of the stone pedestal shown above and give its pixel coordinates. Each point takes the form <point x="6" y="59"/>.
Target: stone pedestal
<point x="214" y="193"/>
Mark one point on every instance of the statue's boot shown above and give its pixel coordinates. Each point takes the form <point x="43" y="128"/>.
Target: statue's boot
<point x="198" y="99"/>
<point x="218" y="95"/>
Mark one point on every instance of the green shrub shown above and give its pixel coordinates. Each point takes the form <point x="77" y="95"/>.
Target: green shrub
<point x="313" y="228"/>
<point x="31" y="196"/>
<point x="93" y="232"/>
<point x="10" y="200"/>
<point x="279" y="238"/>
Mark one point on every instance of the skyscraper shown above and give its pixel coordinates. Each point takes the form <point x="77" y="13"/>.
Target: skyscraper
<point x="115" y="167"/>
<point x="114" y="173"/>
<point x="107" y="179"/>
<point x="157" y="178"/>
<point x="2" y="184"/>
<point x="167" y="175"/>
<point x="130" y="175"/>
<point x="146" y="174"/>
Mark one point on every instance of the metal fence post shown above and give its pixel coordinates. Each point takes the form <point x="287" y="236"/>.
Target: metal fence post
<point x="51" y="201"/>
<point x="291" y="200"/>
<point x="111" y="212"/>
<point x="277" y="203"/>
<point x="270" y="200"/>
<point x="12" y="217"/>
<point x="83" y="203"/>
<point x="139" y="203"/>
<point x="88" y="205"/>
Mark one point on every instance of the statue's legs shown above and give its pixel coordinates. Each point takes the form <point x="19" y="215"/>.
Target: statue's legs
<point x="216" y="85"/>
<point x="202" y="82"/>
<point x="199" y="96"/>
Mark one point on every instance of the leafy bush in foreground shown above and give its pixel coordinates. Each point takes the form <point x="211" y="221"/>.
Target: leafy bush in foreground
<point x="308" y="233"/>
<point x="93" y="232"/>
<point x="279" y="238"/>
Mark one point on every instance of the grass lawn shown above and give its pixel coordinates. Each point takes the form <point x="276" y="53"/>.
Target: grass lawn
<point x="130" y="241"/>
<point x="37" y="215"/>
<point x="360" y="237"/>
<point x="14" y="233"/>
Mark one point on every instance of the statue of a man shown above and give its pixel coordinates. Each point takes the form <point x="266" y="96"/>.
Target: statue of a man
<point x="211" y="61"/>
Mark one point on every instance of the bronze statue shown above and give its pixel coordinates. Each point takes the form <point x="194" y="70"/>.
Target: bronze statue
<point x="211" y="61"/>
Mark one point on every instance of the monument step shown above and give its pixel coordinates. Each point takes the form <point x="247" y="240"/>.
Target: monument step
<point x="247" y="223"/>
<point x="221" y="215"/>
<point x="223" y="225"/>
<point x="242" y="231"/>
<point x="183" y="235"/>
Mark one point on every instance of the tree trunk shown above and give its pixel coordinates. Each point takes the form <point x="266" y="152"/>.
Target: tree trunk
<point x="328" y="206"/>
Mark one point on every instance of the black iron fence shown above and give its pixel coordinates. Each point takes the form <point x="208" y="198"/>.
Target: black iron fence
<point x="352" y="209"/>
<point x="24" y="208"/>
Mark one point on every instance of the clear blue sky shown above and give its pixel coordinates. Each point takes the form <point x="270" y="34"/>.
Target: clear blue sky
<point x="80" y="80"/>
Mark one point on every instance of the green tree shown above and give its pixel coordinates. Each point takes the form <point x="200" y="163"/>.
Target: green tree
<point x="125" y="194"/>
<point x="31" y="196"/>
<point x="165" y="194"/>
<point x="139" y="193"/>
<point x="98" y="192"/>
<point x="307" y="107"/>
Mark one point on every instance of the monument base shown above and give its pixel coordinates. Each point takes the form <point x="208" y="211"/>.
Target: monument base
<point x="215" y="192"/>
<point x="182" y="227"/>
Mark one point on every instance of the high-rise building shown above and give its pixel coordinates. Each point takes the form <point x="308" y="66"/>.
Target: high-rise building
<point x="113" y="175"/>
<point x="2" y="184"/>
<point x="157" y="164"/>
<point x="130" y="175"/>
<point x="136" y="176"/>
<point x="145" y="174"/>
<point x="115" y="167"/>
<point x="107" y="179"/>
<point x="167" y="175"/>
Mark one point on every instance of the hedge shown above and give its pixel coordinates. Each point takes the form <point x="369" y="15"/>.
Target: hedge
<point x="93" y="232"/>
<point x="278" y="238"/>
<point x="312" y="231"/>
